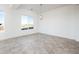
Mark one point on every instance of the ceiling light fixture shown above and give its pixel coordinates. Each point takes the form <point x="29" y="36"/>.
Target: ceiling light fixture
<point x="31" y="9"/>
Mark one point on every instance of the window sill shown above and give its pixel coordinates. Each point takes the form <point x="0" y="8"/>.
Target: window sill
<point x="27" y="28"/>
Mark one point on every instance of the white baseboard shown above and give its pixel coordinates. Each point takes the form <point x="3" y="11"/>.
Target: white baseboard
<point x="16" y="36"/>
<point x="61" y="36"/>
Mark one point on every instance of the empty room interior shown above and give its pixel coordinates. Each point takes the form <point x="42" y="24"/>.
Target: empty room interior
<point x="39" y="29"/>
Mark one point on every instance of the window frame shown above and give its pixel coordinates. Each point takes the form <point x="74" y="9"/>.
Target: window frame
<point x="28" y="27"/>
<point x="3" y="24"/>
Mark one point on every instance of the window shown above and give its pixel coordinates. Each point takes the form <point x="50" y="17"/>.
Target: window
<point x="26" y="22"/>
<point x="2" y="21"/>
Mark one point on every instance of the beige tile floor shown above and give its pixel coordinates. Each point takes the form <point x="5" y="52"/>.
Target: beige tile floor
<point x="39" y="44"/>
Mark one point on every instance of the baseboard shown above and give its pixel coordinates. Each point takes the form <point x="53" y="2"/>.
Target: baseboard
<point x="35" y="33"/>
<point x="17" y="36"/>
<point x="60" y="36"/>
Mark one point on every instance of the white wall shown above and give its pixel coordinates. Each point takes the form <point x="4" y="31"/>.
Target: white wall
<point x="63" y="22"/>
<point x="13" y="22"/>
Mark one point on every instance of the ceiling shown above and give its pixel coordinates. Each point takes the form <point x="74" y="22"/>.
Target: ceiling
<point x="38" y="8"/>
